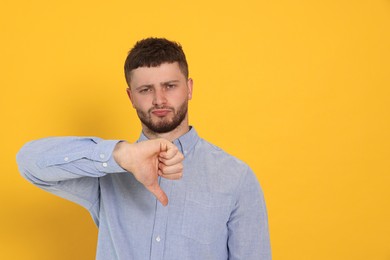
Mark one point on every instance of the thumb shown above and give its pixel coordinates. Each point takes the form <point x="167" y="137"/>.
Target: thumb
<point x="156" y="190"/>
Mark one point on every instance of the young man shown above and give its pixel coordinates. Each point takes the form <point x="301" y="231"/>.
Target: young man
<point x="216" y="208"/>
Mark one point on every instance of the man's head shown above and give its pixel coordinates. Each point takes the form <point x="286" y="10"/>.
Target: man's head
<point x="152" y="52"/>
<point x="159" y="87"/>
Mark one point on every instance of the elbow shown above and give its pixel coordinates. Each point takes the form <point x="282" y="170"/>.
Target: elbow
<point x="22" y="161"/>
<point x="26" y="161"/>
<point x="24" y="155"/>
<point x="21" y="158"/>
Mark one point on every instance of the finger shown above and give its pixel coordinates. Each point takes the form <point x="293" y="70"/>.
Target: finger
<point x="171" y="169"/>
<point x="170" y="152"/>
<point x="172" y="161"/>
<point x="163" y="145"/>
<point x="176" y="176"/>
<point x="156" y="190"/>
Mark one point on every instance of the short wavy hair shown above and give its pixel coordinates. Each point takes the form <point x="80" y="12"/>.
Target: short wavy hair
<point x="152" y="52"/>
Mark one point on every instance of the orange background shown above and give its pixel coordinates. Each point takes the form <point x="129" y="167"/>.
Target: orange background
<point x="297" y="89"/>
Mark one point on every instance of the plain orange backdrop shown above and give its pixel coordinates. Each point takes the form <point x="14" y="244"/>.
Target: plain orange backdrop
<point x="298" y="89"/>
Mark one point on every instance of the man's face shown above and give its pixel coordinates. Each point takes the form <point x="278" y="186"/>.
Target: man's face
<point x="160" y="96"/>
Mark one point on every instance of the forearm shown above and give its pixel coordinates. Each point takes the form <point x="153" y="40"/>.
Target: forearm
<point x="69" y="166"/>
<point x="50" y="160"/>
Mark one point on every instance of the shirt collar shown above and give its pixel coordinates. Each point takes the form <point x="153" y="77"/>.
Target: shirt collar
<point x="185" y="143"/>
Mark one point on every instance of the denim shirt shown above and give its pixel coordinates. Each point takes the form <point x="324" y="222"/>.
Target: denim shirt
<point x="215" y="211"/>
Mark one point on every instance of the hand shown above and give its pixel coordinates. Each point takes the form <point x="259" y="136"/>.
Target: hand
<point x="149" y="159"/>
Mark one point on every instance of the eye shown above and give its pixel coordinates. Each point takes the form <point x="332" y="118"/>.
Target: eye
<point x="145" y="90"/>
<point x="170" y="86"/>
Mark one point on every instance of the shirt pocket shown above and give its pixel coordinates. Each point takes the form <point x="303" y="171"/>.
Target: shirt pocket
<point x="205" y="216"/>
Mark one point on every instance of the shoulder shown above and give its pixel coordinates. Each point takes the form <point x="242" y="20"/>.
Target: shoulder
<point x="219" y="156"/>
<point x="219" y="167"/>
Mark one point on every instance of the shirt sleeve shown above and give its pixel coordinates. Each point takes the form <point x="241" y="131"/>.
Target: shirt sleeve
<point x="69" y="167"/>
<point x="248" y="223"/>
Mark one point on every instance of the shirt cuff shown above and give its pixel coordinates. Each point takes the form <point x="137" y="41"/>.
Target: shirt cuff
<point x="103" y="159"/>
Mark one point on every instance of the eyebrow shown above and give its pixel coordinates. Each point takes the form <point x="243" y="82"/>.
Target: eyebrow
<point x="162" y="84"/>
<point x="144" y="86"/>
<point x="165" y="83"/>
<point x="169" y="82"/>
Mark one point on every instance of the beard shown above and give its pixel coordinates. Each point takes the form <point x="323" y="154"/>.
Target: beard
<point x="164" y="125"/>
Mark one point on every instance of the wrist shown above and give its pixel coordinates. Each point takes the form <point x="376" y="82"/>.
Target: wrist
<point x="123" y="155"/>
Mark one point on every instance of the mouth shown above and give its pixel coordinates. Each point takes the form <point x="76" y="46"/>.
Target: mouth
<point x="161" y="112"/>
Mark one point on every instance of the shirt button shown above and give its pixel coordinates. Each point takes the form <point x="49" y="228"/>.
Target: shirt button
<point x="102" y="155"/>
<point x="158" y="239"/>
<point x="105" y="164"/>
<point x="66" y="159"/>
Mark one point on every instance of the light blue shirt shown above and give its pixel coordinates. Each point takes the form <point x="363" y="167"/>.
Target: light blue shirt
<point x="216" y="210"/>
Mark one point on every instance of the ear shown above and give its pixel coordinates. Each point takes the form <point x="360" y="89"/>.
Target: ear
<point x="190" y="85"/>
<point x="128" y="90"/>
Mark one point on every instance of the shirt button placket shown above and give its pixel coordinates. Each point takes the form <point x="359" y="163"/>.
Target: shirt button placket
<point x="160" y="224"/>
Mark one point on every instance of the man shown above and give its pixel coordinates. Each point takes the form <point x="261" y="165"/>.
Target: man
<point x="216" y="208"/>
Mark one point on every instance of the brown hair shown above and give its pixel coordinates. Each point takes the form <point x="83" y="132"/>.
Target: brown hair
<point x="152" y="52"/>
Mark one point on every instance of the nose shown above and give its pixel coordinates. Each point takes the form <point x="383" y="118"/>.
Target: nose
<point x="159" y="97"/>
